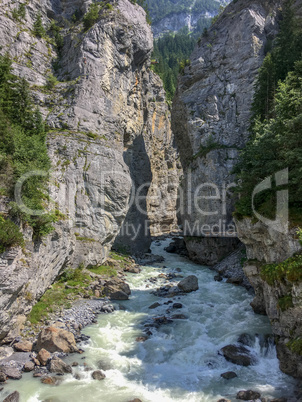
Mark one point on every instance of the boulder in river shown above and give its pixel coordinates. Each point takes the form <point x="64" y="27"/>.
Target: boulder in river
<point x="238" y="355"/>
<point x="98" y="375"/>
<point x="246" y="339"/>
<point x="189" y="284"/>
<point x="14" y="397"/>
<point x="154" y="305"/>
<point x="57" y="366"/>
<point x="229" y="375"/>
<point x="248" y="395"/>
<point x="49" y="380"/>
<point x="12" y="373"/>
<point x="56" y="340"/>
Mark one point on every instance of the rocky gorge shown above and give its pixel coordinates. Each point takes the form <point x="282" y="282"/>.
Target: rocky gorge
<point x="111" y="137"/>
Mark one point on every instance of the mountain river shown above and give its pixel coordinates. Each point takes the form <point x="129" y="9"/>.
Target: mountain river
<point x="180" y="361"/>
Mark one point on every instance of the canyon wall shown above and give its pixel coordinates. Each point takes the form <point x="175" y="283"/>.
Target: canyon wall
<point x="109" y="133"/>
<point x="211" y="113"/>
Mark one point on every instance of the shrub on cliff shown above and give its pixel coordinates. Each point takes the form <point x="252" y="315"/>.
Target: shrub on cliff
<point x="10" y="234"/>
<point x="91" y="17"/>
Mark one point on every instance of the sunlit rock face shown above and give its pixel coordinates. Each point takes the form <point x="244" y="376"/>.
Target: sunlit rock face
<point x="109" y="133"/>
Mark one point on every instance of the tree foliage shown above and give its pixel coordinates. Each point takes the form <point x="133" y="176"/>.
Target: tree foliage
<point x="276" y="141"/>
<point x="22" y="145"/>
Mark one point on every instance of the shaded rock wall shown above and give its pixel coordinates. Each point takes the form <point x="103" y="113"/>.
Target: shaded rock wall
<point x="211" y="113"/>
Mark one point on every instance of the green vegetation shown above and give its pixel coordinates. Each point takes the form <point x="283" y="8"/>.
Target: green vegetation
<point x="60" y="295"/>
<point x="289" y="270"/>
<point x="55" y="30"/>
<point x="19" y="13"/>
<point x="286" y="302"/>
<point x="23" y="150"/>
<point x="39" y="30"/>
<point x="276" y="140"/>
<point x="10" y="234"/>
<point x="170" y="52"/>
<point x="92" y="16"/>
<point x="295" y="346"/>
<point x="103" y="270"/>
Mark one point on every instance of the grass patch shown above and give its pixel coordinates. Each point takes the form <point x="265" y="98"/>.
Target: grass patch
<point x="58" y="296"/>
<point x="286" y="302"/>
<point x="290" y="270"/>
<point x="87" y="239"/>
<point x="103" y="270"/>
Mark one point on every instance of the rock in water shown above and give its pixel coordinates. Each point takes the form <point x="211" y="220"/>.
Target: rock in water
<point x="98" y="375"/>
<point x="11" y="372"/>
<point x="238" y="355"/>
<point x="56" y="340"/>
<point x="248" y="395"/>
<point x="189" y="284"/>
<point x="29" y="366"/>
<point x="229" y="375"/>
<point x="57" y="366"/>
<point x="14" y="397"/>
<point x="2" y="377"/>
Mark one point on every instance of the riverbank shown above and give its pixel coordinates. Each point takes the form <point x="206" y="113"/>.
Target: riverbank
<point x="146" y="356"/>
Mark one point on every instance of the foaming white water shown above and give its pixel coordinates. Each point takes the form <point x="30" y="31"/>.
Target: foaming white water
<point x="180" y="361"/>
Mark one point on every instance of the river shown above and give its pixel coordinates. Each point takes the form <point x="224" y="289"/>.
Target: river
<point x="180" y="361"/>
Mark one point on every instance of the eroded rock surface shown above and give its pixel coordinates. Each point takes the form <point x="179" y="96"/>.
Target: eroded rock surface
<point x="109" y="133"/>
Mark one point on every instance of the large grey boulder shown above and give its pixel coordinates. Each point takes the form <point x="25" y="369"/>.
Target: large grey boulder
<point x="189" y="284"/>
<point x="57" y="366"/>
<point x="238" y="355"/>
<point x="56" y="340"/>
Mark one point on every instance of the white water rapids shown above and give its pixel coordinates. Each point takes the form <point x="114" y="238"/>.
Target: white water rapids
<point x="180" y="361"/>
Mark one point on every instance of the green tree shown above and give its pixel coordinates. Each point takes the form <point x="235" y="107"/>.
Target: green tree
<point x="38" y="28"/>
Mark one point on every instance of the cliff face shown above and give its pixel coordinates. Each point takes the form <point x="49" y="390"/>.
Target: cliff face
<point x="268" y="246"/>
<point x="109" y="134"/>
<point x="211" y="115"/>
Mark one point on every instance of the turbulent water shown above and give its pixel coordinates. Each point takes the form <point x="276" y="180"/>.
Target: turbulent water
<point x="180" y="361"/>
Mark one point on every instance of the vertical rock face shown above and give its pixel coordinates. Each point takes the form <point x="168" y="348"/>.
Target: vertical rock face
<point x="211" y="115"/>
<point x="264" y="245"/>
<point x="109" y="133"/>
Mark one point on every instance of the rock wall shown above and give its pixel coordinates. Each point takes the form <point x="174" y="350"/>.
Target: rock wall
<point x="109" y="133"/>
<point x="264" y="245"/>
<point x="211" y="113"/>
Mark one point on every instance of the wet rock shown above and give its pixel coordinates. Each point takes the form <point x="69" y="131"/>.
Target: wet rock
<point x="179" y="317"/>
<point x="238" y="355"/>
<point x="246" y="339"/>
<point x="43" y="356"/>
<point x="49" y="380"/>
<point x="177" y="305"/>
<point x="154" y="305"/>
<point x="189" y="284"/>
<point x="141" y="339"/>
<point x="14" y="397"/>
<point x="2" y="377"/>
<point x="74" y="364"/>
<point x="224" y="400"/>
<point x="56" y="340"/>
<point x="104" y="365"/>
<point x="39" y="372"/>
<point x="11" y="372"/>
<point x="133" y="270"/>
<point x="135" y="400"/>
<point x="24" y="346"/>
<point x="218" y="278"/>
<point x="279" y="400"/>
<point x="248" y="395"/>
<point x="57" y="366"/>
<point x="229" y="375"/>
<point x="98" y="375"/>
<point x="29" y="366"/>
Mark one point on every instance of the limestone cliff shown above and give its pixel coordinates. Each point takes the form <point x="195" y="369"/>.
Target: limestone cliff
<point x="281" y="300"/>
<point x="109" y="133"/>
<point x="211" y="115"/>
